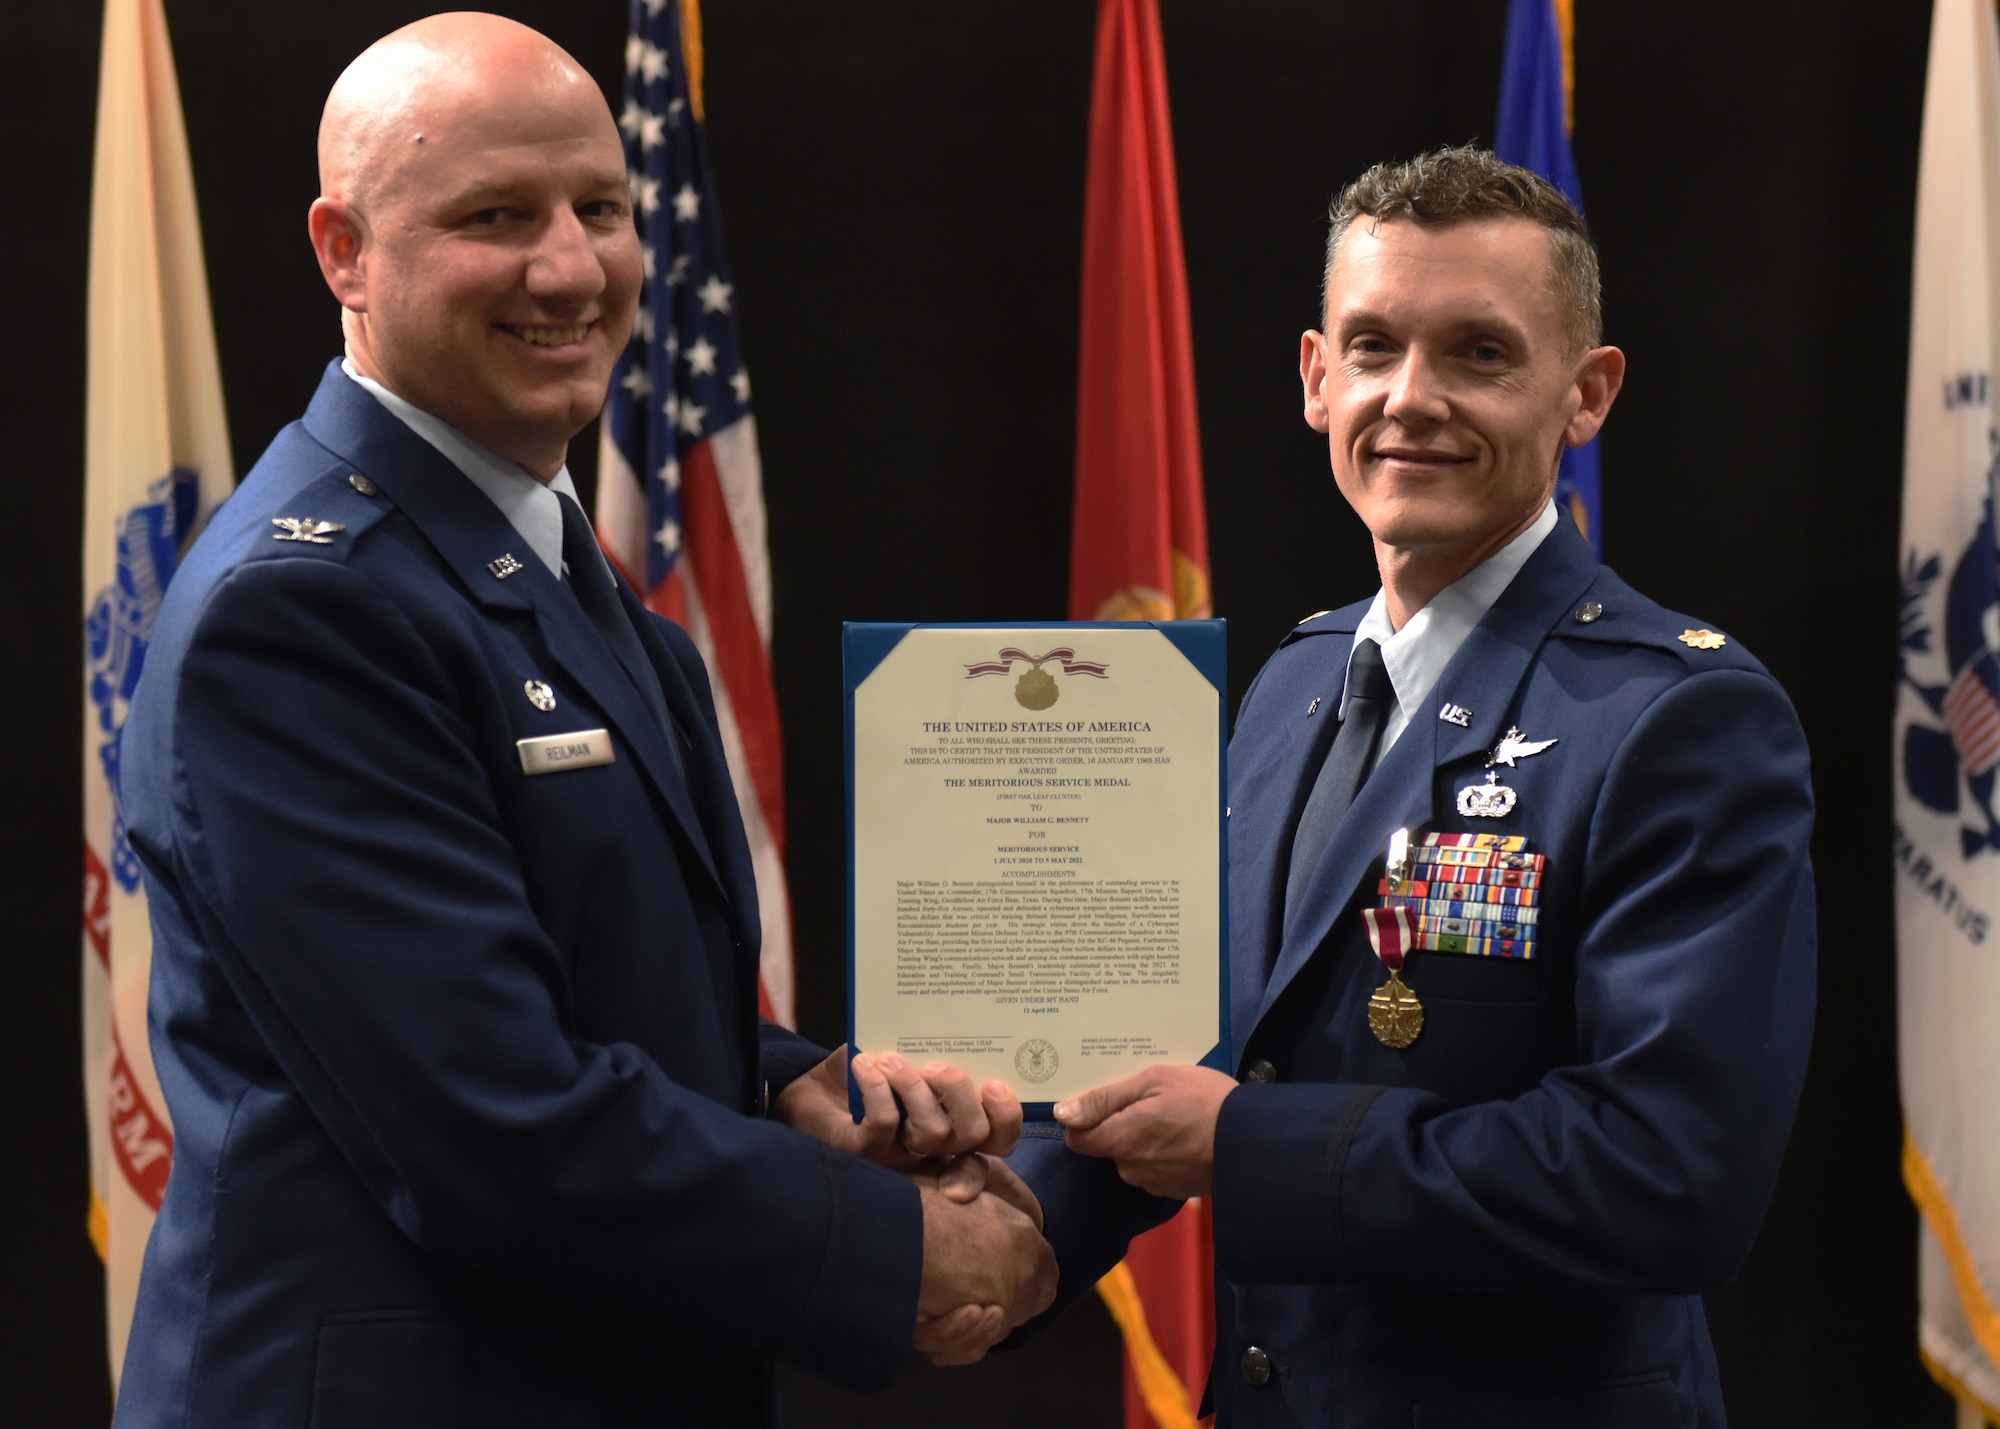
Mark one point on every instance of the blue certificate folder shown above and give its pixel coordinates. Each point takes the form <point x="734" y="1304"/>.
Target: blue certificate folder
<point x="864" y="646"/>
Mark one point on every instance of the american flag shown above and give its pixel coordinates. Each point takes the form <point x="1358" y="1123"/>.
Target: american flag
<point x="680" y="498"/>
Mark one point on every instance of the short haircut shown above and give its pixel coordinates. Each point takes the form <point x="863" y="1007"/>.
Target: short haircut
<point x="1466" y="185"/>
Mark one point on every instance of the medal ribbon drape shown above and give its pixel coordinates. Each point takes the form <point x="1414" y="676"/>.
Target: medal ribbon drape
<point x="1139" y="551"/>
<point x="1947" y="815"/>
<point x="156" y="463"/>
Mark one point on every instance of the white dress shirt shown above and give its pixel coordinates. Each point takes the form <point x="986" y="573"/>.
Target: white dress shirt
<point x="529" y="505"/>
<point x="1417" y="654"/>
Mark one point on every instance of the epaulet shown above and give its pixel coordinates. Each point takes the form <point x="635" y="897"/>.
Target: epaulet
<point x="324" y="517"/>
<point x="1612" y="613"/>
<point x="1327" y="622"/>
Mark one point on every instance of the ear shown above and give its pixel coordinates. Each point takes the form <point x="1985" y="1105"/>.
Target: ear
<point x="1312" y="376"/>
<point x="340" y="240"/>
<point x="1598" y="378"/>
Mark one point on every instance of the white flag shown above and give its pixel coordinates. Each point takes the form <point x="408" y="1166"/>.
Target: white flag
<point x="1947" y="735"/>
<point x="156" y="462"/>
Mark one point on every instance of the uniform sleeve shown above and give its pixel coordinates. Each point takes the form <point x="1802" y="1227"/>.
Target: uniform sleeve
<point x="349" y="867"/>
<point x="1645" y="1166"/>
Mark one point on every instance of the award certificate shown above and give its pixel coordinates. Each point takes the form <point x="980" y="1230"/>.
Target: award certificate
<point x="1036" y="847"/>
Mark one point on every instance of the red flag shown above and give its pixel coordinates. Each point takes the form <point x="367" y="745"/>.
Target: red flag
<point x="1139" y="548"/>
<point x="1139" y="551"/>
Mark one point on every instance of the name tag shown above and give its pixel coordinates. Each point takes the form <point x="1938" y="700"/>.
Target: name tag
<point x="551" y="753"/>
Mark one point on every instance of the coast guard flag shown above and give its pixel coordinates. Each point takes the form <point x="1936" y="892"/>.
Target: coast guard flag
<point x="1533" y="131"/>
<point x="1947" y="722"/>
<point x="680" y="489"/>
<point x="1139" y="551"/>
<point x="156" y="462"/>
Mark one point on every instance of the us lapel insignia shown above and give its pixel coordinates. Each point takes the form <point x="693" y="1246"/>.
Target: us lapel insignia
<point x="1313" y="708"/>
<point x="503" y="567"/>
<point x="304" y="528"/>
<point x="1456" y="714"/>
<point x="1703" y="639"/>
<point x="540" y="695"/>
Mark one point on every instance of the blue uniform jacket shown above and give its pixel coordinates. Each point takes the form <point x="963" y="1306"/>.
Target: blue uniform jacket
<point x="463" y="1064"/>
<point x="1510" y="1222"/>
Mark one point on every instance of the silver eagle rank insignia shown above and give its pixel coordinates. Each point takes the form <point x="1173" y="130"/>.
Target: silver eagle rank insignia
<point x="304" y="528"/>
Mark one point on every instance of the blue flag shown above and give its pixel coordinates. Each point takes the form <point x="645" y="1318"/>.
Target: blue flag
<point x="1533" y="131"/>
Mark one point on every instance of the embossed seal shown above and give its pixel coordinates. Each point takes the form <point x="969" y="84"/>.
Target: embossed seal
<point x="1036" y="1059"/>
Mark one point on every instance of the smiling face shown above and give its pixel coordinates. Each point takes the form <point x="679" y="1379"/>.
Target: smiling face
<point x="1443" y="386"/>
<point x="480" y="238"/>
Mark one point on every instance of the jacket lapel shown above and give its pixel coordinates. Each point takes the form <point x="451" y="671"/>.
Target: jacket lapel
<point x="1484" y="676"/>
<point x="477" y="542"/>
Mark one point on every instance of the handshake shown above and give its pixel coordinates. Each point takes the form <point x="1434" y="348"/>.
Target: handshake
<point x="987" y="1267"/>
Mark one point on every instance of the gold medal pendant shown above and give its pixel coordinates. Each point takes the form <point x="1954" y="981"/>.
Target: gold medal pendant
<point x="1394" y="1014"/>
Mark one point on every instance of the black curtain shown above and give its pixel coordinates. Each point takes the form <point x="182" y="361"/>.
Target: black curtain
<point x="903" y="183"/>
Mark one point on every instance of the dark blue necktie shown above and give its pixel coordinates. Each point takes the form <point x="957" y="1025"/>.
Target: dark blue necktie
<point x="1370" y="694"/>
<point x="595" y="586"/>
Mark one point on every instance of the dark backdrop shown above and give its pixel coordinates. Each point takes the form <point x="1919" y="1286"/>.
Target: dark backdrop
<point x="903" y="186"/>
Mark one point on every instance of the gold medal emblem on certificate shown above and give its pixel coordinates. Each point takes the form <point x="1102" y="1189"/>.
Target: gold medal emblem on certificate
<point x="1394" y="1014"/>
<point x="1036" y="690"/>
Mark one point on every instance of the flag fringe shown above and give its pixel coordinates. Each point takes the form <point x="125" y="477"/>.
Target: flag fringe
<point x="98" y="1223"/>
<point x="1949" y="1383"/>
<point x="1928" y="1193"/>
<point x="1166" y="1397"/>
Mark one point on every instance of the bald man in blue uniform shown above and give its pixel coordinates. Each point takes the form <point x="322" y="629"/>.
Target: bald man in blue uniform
<point x="1522" y="916"/>
<point x="455" y="932"/>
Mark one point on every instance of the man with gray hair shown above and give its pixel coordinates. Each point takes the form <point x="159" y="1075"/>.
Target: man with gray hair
<point x="1522" y="934"/>
<point x="455" y="934"/>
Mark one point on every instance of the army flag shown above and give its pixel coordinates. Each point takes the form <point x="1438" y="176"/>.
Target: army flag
<point x="680" y="484"/>
<point x="1537" y="82"/>
<point x="1947" y="715"/>
<point x="1139" y="551"/>
<point x="156" y="462"/>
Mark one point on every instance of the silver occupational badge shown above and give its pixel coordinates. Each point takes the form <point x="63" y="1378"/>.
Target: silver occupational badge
<point x="1491" y="800"/>
<point x="1512" y="747"/>
<point x="540" y="695"/>
<point x="304" y="528"/>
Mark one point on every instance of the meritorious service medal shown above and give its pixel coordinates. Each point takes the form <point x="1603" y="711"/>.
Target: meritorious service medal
<point x="1394" y="1014"/>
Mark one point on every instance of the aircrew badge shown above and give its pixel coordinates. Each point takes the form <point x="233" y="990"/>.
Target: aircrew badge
<point x="1475" y="894"/>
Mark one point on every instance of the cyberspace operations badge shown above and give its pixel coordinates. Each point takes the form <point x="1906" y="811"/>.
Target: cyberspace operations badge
<point x="1036" y="689"/>
<point x="1036" y="1059"/>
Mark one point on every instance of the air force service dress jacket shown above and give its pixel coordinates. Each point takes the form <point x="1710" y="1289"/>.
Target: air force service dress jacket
<point x="1510" y="1222"/>
<point x="463" y="1063"/>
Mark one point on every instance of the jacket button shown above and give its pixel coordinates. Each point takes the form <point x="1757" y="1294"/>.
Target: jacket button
<point x="1260" y="1071"/>
<point x="1256" y="1366"/>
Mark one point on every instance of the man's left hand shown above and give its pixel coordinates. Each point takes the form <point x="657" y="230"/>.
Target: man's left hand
<point x="941" y="1113"/>
<point x="1158" y="1125"/>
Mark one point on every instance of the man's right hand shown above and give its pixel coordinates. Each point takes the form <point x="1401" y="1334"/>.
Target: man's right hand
<point x="987" y="1268"/>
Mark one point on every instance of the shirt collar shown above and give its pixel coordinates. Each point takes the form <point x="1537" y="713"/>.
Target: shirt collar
<point x="1417" y="654"/>
<point x="529" y="505"/>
